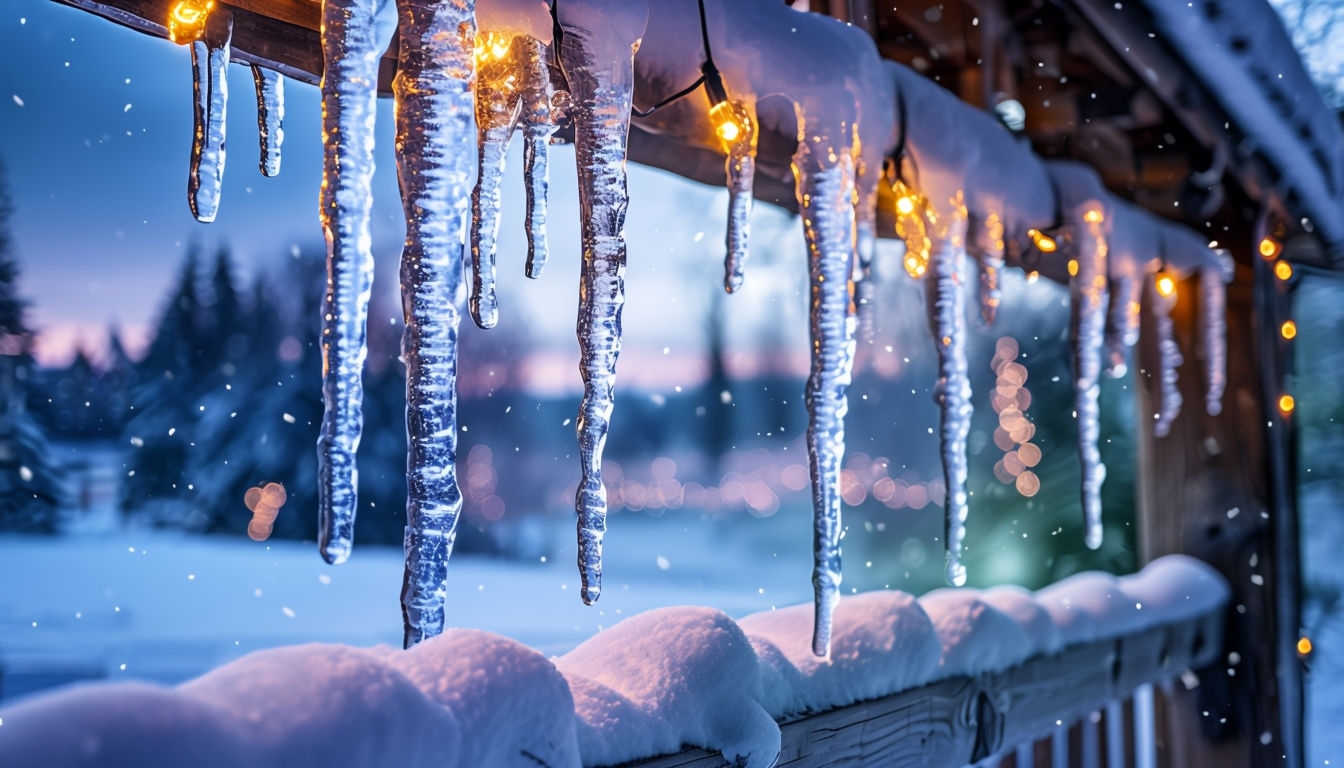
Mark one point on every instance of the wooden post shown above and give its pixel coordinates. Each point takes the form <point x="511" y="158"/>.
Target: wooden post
<point x="1218" y="488"/>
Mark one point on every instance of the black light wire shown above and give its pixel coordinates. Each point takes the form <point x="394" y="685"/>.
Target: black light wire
<point x="709" y="74"/>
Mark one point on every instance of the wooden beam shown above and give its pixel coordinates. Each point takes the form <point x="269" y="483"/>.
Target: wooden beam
<point x="959" y="721"/>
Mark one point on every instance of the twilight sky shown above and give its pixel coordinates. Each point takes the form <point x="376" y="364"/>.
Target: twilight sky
<point x="95" y="133"/>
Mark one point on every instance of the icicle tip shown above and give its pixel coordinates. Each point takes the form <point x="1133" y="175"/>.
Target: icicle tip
<point x="956" y="573"/>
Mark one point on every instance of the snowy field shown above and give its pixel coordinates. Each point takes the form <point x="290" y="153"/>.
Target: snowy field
<point x="165" y="607"/>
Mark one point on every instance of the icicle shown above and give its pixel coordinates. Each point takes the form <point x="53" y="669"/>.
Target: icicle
<point x="434" y="134"/>
<point x="946" y="307"/>
<point x="865" y="249"/>
<point x="600" y="66"/>
<point x="1145" y="728"/>
<point x="1169" y="360"/>
<point x="741" y="170"/>
<point x="1122" y="326"/>
<point x="989" y="259"/>
<point x="210" y="85"/>
<point x="1213" y="286"/>
<point x="270" y="117"/>
<point x="825" y="198"/>
<point x="349" y="94"/>
<point x="539" y="122"/>
<point x="1088" y="293"/>
<point x="497" y="105"/>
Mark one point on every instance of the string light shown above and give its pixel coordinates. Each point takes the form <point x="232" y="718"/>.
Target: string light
<point x="1286" y="404"/>
<point x="1092" y="216"/>
<point x="912" y="213"/>
<point x="1073" y="267"/>
<point x="1304" y="646"/>
<point x="186" y="21"/>
<point x="1288" y="330"/>
<point x="1283" y="270"/>
<point x="1043" y="242"/>
<point x="491" y="47"/>
<point x="1166" y="284"/>
<point x="1268" y="248"/>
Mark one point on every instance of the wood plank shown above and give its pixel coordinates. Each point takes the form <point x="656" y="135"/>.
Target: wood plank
<point x="952" y="723"/>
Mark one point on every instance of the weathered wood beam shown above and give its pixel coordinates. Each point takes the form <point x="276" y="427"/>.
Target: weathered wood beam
<point x="959" y="721"/>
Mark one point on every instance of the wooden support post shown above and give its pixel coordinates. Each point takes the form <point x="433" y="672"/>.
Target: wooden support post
<point x="1218" y="488"/>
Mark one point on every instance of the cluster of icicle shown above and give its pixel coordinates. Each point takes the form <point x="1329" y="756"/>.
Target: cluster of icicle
<point x="482" y="69"/>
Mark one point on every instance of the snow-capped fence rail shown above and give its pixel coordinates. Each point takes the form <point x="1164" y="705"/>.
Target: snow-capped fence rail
<point x="965" y="720"/>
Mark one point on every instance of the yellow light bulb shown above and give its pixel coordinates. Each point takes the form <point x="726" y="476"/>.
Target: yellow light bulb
<point x="905" y="205"/>
<point x="1288" y="330"/>
<point x="731" y="123"/>
<point x="1303" y="646"/>
<point x="1268" y="248"/>
<point x="1283" y="270"/>
<point x="1166" y="285"/>
<point x="1043" y="242"/>
<point x="1093" y="216"/>
<point x="186" y="21"/>
<point x="1287" y="404"/>
<point x="492" y="47"/>
<point x="1073" y="267"/>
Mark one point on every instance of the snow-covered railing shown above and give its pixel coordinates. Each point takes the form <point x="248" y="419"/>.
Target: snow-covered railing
<point x="955" y="677"/>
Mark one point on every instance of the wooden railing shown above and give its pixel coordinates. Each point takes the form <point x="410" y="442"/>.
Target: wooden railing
<point x="1069" y="708"/>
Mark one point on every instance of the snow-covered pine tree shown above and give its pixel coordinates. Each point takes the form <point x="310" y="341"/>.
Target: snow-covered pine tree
<point x="29" y="494"/>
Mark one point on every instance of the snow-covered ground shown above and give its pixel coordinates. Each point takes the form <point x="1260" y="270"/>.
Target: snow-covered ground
<point x="167" y="607"/>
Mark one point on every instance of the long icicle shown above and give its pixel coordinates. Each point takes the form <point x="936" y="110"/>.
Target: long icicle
<point x="270" y="117"/>
<point x="740" y="167"/>
<point x="1087" y="324"/>
<point x="603" y="88"/>
<point x="825" y="198"/>
<point x="434" y="138"/>
<point x="349" y="95"/>
<point x="1122" y="325"/>
<point x="210" y="85"/>
<point x="865" y="250"/>
<point x="1169" y="399"/>
<point x="989" y="262"/>
<point x="1213" y="287"/>
<point x="946" y="306"/>
<point x="539" y="123"/>
<point x="497" y="104"/>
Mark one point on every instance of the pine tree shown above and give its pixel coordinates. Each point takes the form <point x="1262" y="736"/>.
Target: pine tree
<point x="29" y="494"/>
<point x="164" y="410"/>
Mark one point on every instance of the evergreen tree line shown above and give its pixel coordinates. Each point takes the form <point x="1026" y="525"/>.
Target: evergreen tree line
<point x="29" y="494"/>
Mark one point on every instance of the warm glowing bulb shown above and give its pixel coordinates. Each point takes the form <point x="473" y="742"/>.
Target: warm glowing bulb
<point x="729" y="131"/>
<point x="1166" y="285"/>
<point x="492" y="47"/>
<point x="1268" y="248"/>
<point x="731" y="123"/>
<point x="1283" y="270"/>
<point x="1304" y="646"/>
<point x="1073" y="267"/>
<point x="1288" y="330"/>
<point x="1093" y="216"/>
<point x="186" y="22"/>
<point x="1286" y="404"/>
<point x="1043" y="242"/>
<point x="905" y="205"/>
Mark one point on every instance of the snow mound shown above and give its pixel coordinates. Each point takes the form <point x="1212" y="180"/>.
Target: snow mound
<point x="1089" y="606"/>
<point x="976" y="637"/>
<point x="513" y="705"/>
<point x="1020" y="605"/>
<point x="667" y="678"/>
<point x="1176" y="587"/>
<point x="125" y="725"/>
<point x="881" y="643"/>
